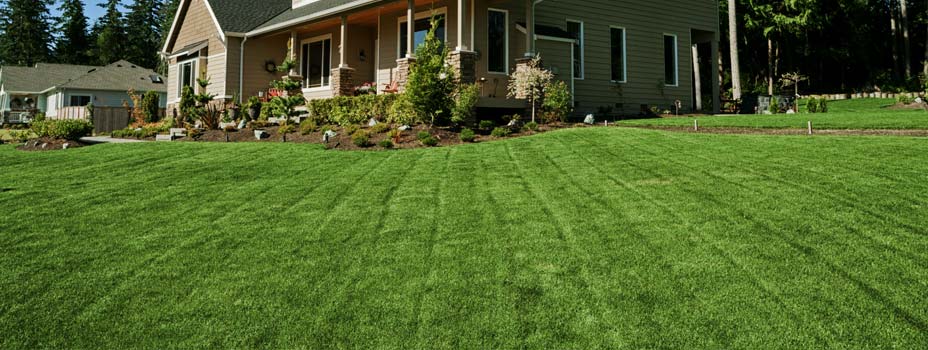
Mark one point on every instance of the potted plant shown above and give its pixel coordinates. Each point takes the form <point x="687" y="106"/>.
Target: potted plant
<point x="234" y="108"/>
<point x="254" y="108"/>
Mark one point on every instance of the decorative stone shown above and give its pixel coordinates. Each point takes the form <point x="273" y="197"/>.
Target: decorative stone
<point x="65" y="146"/>
<point x="329" y="134"/>
<point x="790" y="111"/>
<point x="404" y="128"/>
<point x="372" y="122"/>
<point x="241" y="124"/>
<point x="590" y="119"/>
<point x="44" y="145"/>
<point x="260" y="134"/>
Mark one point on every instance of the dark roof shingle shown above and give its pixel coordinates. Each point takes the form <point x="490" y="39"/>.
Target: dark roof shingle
<point x="41" y="77"/>
<point x="308" y="10"/>
<point x="240" y="16"/>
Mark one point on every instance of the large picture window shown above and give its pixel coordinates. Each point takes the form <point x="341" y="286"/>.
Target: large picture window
<point x="498" y="41"/>
<point x="79" y="100"/>
<point x="575" y="28"/>
<point x="186" y="72"/>
<point x="671" y="77"/>
<point x="422" y="26"/>
<point x="617" y="36"/>
<point x="316" y="62"/>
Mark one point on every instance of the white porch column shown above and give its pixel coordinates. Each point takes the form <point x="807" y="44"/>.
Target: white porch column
<point x="294" y="43"/>
<point x="697" y="79"/>
<point x="410" y="28"/>
<point x="342" y="51"/>
<point x="462" y="9"/>
<point x="530" y="28"/>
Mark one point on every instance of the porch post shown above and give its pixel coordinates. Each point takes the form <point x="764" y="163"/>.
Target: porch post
<point x="343" y="76"/>
<point x="697" y="79"/>
<point x="462" y="59"/>
<point x="716" y="94"/>
<point x="530" y="28"/>
<point x="410" y="28"/>
<point x="462" y="8"/>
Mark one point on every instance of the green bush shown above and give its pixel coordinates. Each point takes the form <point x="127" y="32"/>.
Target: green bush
<point x="430" y="141"/>
<point x="308" y="126"/>
<point x="422" y="135"/>
<point x="465" y="104"/>
<point x="286" y="129"/>
<point x="487" y="124"/>
<point x="467" y="135"/>
<point x="431" y="82"/>
<point x="62" y="129"/>
<point x="557" y="102"/>
<point x="351" y="129"/>
<point x="531" y="126"/>
<point x="380" y="128"/>
<point x="150" y="106"/>
<point x="361" y="139"/>
<point x="823" y="106"/>
<point x="38" y="117"/>
<point x="401" y="112"/>
<point x="345" y="110"/>
<point x="904" y="99"/>
<point x="812" y="105"/>
<point x="386" y="144"/>
<point x="774" y="107"/>
<point x="500" y="132"/>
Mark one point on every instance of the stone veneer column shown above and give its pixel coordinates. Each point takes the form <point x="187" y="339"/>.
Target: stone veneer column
<point x="403" y="67"/>
<point x="464" y="64"/>
<point x="342" y="81"/>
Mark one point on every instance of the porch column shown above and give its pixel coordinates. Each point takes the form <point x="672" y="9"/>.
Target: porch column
<point x="697" y="79"/>
<point x="410" y="28"/>
<point x="462" y="9"/>
<point x="343" y="76"/>
<point x="716" y="95"/>
<point x="530" y="28"/>
<point x="463" y="60"/>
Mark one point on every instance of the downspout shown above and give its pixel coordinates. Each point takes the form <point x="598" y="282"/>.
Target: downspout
<point x="241" y="71"/>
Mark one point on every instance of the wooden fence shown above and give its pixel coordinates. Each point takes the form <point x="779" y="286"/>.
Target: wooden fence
<point x="105" y="119"/>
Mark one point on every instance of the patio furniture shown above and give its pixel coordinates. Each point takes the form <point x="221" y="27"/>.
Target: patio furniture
<point x="392" y="88"/>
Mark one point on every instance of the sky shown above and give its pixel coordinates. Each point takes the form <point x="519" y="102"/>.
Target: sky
<point x="91" y="10"/>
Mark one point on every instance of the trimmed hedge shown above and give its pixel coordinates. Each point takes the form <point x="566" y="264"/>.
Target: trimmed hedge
<point x="345" y="110"/>
<point x="71" y="130"/>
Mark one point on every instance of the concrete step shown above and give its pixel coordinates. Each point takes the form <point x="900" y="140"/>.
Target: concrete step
<point x="178" y="132"/>
<point x="167" y="138"/>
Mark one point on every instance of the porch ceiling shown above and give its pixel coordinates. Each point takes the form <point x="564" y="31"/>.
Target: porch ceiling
<point x="364" y="16"/>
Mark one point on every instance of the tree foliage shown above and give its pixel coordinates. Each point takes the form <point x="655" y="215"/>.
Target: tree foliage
<point x="73" y="41"/>
<point x="26" y="36"/>
<point x="431" y="84"/>
<point x="143" y="33"/>
<point x="110" y="30"/>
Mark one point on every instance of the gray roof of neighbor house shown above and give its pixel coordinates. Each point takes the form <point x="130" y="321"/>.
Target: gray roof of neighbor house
<point x="309" y="10"/>
<point x="40" y="77"/>
<point x="118" y="76"/>
<point x="240" y="16"/>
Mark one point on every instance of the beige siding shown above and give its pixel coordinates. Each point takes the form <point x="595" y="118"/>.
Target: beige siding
<point x="645" y="22"/>
<point x="258" y="51"/>
<point x="389" y="36"/>
<point x="196" y="25"/>
<point x="495" y="83"/>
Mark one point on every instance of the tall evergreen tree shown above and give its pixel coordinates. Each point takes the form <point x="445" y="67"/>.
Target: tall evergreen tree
<point x="110" y="35"/>
<point x="72" y="44"/>
<point x="168" y="12"/>
<point x="143" y="30"/>
<point x="26" y="36"/>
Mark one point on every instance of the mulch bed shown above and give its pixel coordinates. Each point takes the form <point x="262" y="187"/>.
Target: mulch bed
<point x="761" y="131"/>
<point x="910" y="106"/>
<point x="342" y="141"/>
<point x="49" y="144"/>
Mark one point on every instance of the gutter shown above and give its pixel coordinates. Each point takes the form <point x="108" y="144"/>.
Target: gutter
<point x="241" y="71"/>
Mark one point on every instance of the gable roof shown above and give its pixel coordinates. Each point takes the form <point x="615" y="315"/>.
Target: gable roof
<point x="309" y="12"/>
<point x="231" y="16"/>
<point x="41" y="77"/>
<point x="118" y="76"/>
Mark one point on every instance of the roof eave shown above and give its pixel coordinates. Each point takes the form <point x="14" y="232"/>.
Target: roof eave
<point x="308" y="18"/>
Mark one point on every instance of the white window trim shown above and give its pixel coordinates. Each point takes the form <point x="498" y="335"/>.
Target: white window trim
<point x="582" y="73"/>
<point x="88" y="96"/>
<point x="506" y="51"/>
<point x="624" y="54"/>
<point x="676" y="58"/>
<point x="419" y="15"/>
<point x="193" y="70"/>
<point x="331" y="51"/>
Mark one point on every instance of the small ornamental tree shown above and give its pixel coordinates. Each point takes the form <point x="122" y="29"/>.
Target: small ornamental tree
<point x="431" y="84"/>
<point x="530" y="81"/>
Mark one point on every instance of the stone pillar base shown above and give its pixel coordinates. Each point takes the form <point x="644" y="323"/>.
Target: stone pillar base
<point x="464" y="64"/>
<point x="403" y="68"/>
<point x="342" y="81"/>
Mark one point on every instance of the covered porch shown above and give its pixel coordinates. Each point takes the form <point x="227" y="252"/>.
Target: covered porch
<point x="345" y="53"/>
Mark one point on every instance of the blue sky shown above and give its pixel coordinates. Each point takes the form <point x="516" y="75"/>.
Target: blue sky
<point x="91" y="10"/>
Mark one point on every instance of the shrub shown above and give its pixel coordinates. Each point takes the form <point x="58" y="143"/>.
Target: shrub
<point x="823" y="106"/>
<point x="386" y="144"/>
<point x="774" y="107"/>
<point x="328" y="128"/>
<point x="467" y="135"/>
<point x="62" y="129"/>
<point x="150" y="108"/>
<point x="812" y="105"/>
<point x="194" y="133"/>
<point x="905" y="99"/>
<point x="286" y="129"/>
<point x="529" y="81"/>
<point x="308" y="127"/>
<point x="422" y="135"/>
<point x="395" y="135"/>
<point x="230" y="128"/>
<point x="557" y="102"/>
<point x="531" y="126"/>
<point x="360" y="138"/>
<point x="380" y="128"/>
<point x="465" y="104"/>
<point x="487" y="124"/>
<point x="38" y="117"/>
<point x="401" y="112"/>
<point x="430" y="86"/>
<point x="430" y="141"/>
<point x="500" y="132"/>
<point x="351" y="129"/>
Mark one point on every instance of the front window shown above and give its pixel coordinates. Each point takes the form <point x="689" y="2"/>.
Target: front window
<point x="576" y="32"/>
<point x="317" y="62"/>
<point x="498" y="41"/>
<point x="79" y="101"/>
<point x="422" y="27"/>
<point x="187" y="76"/>
<point x="618" y="54"/>
<point x="670" y="60"/>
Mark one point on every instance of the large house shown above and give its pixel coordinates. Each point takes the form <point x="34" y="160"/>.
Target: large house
<point x="625" y="54"/>
<point x="55" y="88"/>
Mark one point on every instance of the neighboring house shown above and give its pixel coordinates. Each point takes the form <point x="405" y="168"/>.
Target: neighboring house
<point x="612" y="53"/>
<point x="52" y="88"/>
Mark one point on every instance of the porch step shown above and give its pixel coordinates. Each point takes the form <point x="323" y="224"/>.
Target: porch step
<point x="167" y="138"/>
<point x="177" y="132"/>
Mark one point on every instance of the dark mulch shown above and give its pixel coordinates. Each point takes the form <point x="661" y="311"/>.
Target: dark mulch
<point x="49" y="144"/>
<point x="762" y="131"/>
<point x="910" y="106"/>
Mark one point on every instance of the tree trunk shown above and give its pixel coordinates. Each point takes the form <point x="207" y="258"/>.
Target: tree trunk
<point x="904" y="22"/>
<point x="894" y="38"/>
<point x="925" y="61"/>
<point x="733" y="49"/>
<point x="769" y="67"/>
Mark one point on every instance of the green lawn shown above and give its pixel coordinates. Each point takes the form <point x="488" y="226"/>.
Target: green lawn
<point x="846" y="114"/>
<point x="576" y="239"/>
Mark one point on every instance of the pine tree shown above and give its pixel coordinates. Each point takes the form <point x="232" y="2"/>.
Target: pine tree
<point x="110" y="34"/>
<point x="168" y="12"/>
<point x="143" y="29"/>
<point x="26" y="38"/>
<point x="72" y="46"/>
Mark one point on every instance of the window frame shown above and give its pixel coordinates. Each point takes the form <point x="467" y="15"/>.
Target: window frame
<point x="88" y="96"/>
<point x="506" y="34"/>
<point x="194" y="62"/>
<point x="418" y="15"/>
<point x="624" y="54"/>
<point x="676" y="58"/>
<point x="309" y="41"/>
<point x="581" y="75"/>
